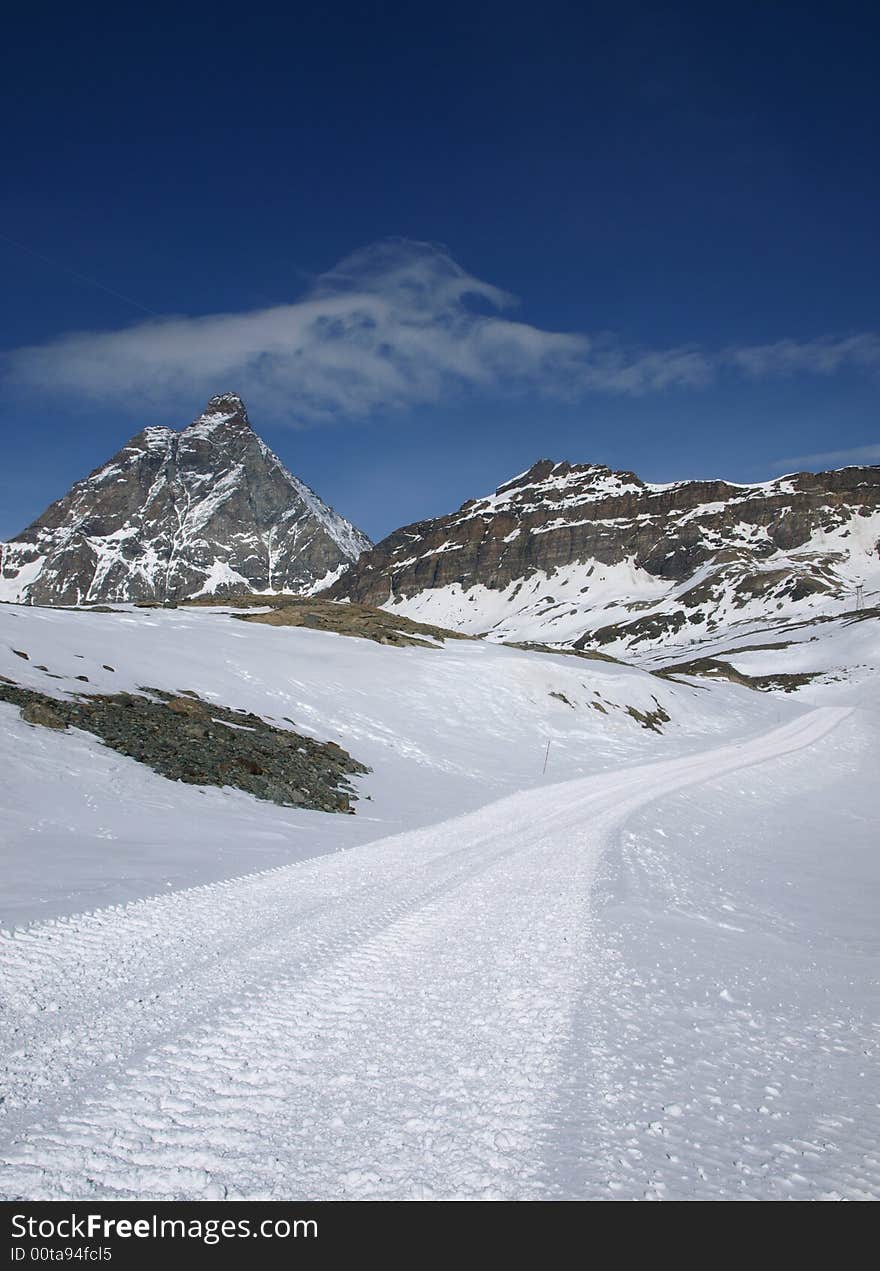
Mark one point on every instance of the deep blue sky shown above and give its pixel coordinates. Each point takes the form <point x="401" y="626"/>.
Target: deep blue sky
<point x="672" y="175"/>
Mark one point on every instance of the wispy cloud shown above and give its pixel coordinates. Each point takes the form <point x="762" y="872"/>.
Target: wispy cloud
<point x="824" y="356"/>
<point x="829" y="459"/>
<point x="393" y="326"/>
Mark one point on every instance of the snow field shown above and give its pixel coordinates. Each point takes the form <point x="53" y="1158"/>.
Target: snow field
<point x="444" y="730"/>
<point x="392" y="1021"/>
<point x="649" y="973"/>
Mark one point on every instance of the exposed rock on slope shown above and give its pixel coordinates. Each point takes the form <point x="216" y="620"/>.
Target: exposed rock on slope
<point x="188" y="739"/>
<point x="567" y="554"/>
<point x="355" y="620"/>
<point x="346" y="619"/>
<point x="178" y="514"/>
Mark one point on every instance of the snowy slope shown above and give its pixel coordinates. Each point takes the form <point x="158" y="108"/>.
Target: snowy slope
<point x="649" y="971"/>
<point x="836" y="656"/>
<point x="175" y="514"/>
<point x="516" y="1003"/>
<point x="842" y="653"/>
<point x="444" y="730"/>
<point x="592" y="605"/>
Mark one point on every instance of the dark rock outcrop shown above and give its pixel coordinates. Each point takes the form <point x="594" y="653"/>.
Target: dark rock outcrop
<point x="185" y="738"/>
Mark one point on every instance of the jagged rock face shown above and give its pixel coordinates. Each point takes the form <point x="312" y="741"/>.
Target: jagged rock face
<point x="180" y="514"/>
<point x="551" y="552"/>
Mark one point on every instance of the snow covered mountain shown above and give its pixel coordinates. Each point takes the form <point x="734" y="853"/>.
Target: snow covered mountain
<point x="581" y="555"/>
<point x="180" y="514"/>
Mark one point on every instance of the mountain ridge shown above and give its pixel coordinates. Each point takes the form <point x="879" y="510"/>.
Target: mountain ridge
<point x="580" y="554"/>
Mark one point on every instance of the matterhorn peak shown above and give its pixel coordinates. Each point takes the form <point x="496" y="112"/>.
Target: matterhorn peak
<point x="226" y="404"/>
<point x="226" y="410"/>
<point x="177" y="514"/>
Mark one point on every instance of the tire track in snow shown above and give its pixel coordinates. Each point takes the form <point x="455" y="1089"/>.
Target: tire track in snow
<point x="732" y="1051"/>
<point x="384" y="1022"/>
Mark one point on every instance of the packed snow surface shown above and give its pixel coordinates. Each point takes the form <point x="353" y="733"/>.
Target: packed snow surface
<point x="648" y="972"/>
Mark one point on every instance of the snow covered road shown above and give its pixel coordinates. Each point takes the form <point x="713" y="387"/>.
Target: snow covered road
<point x="389" y="1021"/>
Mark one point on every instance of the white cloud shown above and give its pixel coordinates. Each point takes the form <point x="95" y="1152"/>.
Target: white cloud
<point x="392" y="326"/>
<point x="830" y="459"/>
<point x="823" y="356"/>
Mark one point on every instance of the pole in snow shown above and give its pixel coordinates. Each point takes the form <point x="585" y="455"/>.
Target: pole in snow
<point x="546" y="757"/>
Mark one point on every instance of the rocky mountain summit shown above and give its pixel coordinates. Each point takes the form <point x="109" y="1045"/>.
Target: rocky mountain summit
<point x="585" y="556"/>
<point x="176" y="514"/>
